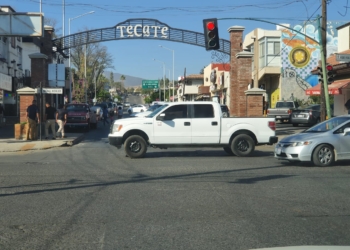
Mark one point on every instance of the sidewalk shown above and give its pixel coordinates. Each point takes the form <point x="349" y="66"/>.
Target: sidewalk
<point x="9" y="144"/>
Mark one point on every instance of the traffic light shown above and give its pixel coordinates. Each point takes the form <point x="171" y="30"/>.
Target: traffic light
<point x="320" y="74"/>
<point x="211" y="34"/>
<point x="330" y="73"/>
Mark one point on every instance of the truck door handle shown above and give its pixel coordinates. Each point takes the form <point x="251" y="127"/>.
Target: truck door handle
<point x="214" y="123"/>
<point x="187" y="123"/>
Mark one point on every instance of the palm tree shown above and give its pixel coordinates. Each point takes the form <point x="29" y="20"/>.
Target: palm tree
<point x="122" y="78"/>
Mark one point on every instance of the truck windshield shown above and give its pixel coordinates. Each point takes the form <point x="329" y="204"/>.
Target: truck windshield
<point x="285" y="105"/>
<point x="157" y="110"/>
<point x="76" y="107"/>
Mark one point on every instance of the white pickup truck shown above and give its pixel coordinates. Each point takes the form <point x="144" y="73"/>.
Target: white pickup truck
<point x="191" y="124"/>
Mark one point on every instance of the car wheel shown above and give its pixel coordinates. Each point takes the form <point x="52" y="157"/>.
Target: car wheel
<point x="242" y="145"/>
<point x="129" y="111"/>
<point x="141" y="110"/>
<point x="323" y="156"/>
<point x="135" y="146"/>
<point x="295" y="124"/>
<point x="228" y="151"/>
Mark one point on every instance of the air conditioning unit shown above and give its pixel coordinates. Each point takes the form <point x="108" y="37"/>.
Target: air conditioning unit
<point x="27" y="73"/>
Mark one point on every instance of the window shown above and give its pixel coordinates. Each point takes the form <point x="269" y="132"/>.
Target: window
<point x="203" y="111"/>
<point x="341" y="129"/>
<point x="176" y="112"/>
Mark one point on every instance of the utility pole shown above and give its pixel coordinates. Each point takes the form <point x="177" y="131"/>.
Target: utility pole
<point x="323" y="57"/>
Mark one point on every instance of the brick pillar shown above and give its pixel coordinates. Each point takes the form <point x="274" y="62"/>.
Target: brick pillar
<point x="254" y="102"/>
<point x="236" y="38"/>
<point x="46" y="43"/>
<point x="24" y="102"/>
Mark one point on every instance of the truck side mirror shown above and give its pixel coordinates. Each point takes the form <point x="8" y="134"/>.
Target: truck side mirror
<point x="161" y="117"/>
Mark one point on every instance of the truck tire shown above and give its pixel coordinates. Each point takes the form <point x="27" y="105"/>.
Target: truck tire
<point x="243" y="145"/>
<point x="228" y="151"/>
<point x="135" y="146"/>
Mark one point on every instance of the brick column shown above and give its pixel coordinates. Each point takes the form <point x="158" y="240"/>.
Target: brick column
<point x="236" y="91"/>
<point x="26" y="97"/>
<point x="254" y="102"/>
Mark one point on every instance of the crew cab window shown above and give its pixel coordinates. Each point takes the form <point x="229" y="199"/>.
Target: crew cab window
<point x="176" y="112"/>
<point x="203" y="111"/>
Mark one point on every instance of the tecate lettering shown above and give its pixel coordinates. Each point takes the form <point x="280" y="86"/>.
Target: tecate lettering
<point x="138" y="31"/>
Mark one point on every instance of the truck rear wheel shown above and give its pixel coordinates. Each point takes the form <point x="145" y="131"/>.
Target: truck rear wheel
<point x="242" y="145"/>
<point x="135" y="146"/>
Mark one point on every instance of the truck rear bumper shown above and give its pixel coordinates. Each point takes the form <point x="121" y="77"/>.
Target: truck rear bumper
<point x="273" y="139"/>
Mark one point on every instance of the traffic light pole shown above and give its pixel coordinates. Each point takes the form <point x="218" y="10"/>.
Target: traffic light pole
<point x="324" y="72"/>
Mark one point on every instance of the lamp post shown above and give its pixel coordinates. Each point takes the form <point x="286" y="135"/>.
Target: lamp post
<point x="70" y="70"/>
<point x="168" y="85"/>
<point x="173" y="68"/>
<point x="160" y="94"/>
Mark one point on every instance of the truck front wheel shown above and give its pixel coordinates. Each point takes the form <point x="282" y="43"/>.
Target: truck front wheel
<point x="135" y="146"/>
<point x="242" y="145"/>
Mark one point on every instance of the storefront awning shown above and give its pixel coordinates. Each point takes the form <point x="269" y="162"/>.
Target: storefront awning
<point x="333" y="89"/>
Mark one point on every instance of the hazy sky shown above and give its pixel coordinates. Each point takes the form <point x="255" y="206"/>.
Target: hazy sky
<point x="135" y="57"/>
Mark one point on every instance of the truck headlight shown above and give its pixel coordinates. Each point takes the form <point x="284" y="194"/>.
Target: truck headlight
<point x="301" y="143"/>
<point x="116" y="128"/>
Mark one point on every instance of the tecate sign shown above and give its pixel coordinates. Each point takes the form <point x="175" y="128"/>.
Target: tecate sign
<point x="139" y="30"/>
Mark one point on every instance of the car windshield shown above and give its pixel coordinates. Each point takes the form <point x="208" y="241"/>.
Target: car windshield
<point x="153" y="107"/>
<point x="76" y="107"/>
<point x="327" y="125"/>
<point x="156" y="111"/>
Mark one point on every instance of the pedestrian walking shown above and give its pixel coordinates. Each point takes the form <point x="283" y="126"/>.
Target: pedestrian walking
<point x="32" y="115"/>
<point x="120" y="112"/>
<point x="111" y="114"/>
<point x="61" y="118"/>
<point x="1" y="114"/>
<point x="105" y="115"/>
<point x="50" y="121"/>
<point x="347" y="106"/>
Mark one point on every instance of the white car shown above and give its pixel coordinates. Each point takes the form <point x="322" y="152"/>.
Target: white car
<point x="137" y="108"/>
<point x="99" y="112"/>
<point x="147" y="112"/>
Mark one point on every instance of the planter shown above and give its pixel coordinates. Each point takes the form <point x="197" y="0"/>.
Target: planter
<point x="20" y="131"/>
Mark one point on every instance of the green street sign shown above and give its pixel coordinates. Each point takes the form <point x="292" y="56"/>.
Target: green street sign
<point x="150" y="84"/>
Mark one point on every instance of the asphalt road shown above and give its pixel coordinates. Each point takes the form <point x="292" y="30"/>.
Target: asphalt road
<point x="90" y="196"/>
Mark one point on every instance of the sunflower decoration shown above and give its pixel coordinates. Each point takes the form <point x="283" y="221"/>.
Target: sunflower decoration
<point x="299" y="57"/>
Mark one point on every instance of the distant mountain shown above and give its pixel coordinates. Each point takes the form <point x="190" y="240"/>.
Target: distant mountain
<point x="130" y="81"/>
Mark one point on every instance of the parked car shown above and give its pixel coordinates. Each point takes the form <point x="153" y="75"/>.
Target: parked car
<point x="309" y="115"/>
<point x="322" y="144"/>
<point x="137" y="108"/>
<point x="283" y="110"/>
<point x="79" y="115"/>
<point x="99" y="111"/>
<point x="225" y="111"/>
<point x="127" y="105"/>
<point x="196" y="124"/>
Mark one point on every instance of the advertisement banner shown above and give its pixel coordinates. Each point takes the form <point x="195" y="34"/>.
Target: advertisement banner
<point x="5" y="82"/>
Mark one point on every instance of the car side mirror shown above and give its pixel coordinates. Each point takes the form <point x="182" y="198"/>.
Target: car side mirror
<point x="161" y="117"/>
<point x="346" y="131"/>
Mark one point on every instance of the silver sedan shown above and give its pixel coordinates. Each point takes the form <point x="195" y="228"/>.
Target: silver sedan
<point x="322" y="144"/>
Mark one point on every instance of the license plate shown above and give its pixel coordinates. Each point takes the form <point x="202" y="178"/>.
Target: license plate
<point x="300" y="115"/>
<point x="278" y="151"/>
<point x="278" y="116"/>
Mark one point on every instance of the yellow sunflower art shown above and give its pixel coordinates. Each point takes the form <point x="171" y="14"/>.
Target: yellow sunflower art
<point x="299" y="57"/>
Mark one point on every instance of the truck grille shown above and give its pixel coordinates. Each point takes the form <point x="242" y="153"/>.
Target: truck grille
<point x="76" y="118"/>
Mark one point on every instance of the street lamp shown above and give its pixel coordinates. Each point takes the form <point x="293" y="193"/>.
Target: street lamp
<point x="173" y="68"/>
<point x="169" y="86"/>
<point x="70" y="70"/>
<point x="160" y="95"/>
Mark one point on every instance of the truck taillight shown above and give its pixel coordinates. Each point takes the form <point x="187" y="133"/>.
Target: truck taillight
<point x="310" y="113"/>
<point x="289" y="111"/>
<point x="272" y="125"/>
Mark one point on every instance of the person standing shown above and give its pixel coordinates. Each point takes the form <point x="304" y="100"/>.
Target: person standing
<point x="120" y="112"/>
<point x="32" y="114"/>
<point x="347" y="106"/>
<point x="50" y="121"/>
<point x="61" y="118"/>
<point x="105" y="115"/>
<point x="1" y="114"/>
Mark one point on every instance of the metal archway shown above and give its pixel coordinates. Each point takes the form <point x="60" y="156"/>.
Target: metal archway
<point x="136" y="29"/>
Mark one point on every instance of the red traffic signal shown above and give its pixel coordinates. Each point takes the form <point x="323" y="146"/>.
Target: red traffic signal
<point x="330" y="73"/>
<point x="211" y="34"/>
<point x="329" y="67"/>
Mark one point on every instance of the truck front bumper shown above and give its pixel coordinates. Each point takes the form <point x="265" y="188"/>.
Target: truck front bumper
<point x="116" y="141"/>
